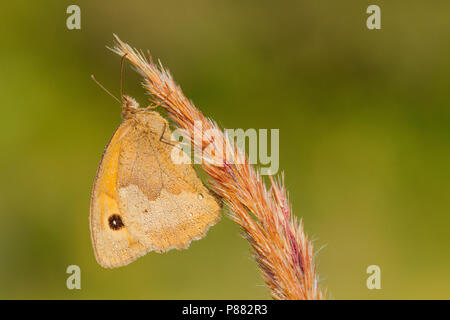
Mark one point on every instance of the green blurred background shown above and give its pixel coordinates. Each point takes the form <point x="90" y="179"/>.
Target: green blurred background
<point x="364" y="120"/>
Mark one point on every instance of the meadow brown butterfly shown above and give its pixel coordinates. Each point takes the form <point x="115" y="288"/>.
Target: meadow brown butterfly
<point x="141" y="200"/>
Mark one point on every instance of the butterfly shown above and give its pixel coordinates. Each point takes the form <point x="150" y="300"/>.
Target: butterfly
<point x="141" y="200"/>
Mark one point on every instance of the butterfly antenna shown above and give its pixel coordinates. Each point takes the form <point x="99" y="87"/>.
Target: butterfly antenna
<point x="121" y="74"/>
<point x="106" y="90"/>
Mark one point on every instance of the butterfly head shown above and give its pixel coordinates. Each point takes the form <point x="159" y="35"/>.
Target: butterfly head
<point x="129" y="107"/>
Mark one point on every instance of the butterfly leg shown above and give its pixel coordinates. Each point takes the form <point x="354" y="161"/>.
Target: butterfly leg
<point x="157" y="104"/>
<point x="169" y="142"/>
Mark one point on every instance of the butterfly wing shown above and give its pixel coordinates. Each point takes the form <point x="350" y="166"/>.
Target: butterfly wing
<point x="113" y="245"/>
<point x="164" y="205"/>
<point x="142" y="201"/>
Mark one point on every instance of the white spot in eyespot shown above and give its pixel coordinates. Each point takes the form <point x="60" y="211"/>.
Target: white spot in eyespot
<point x="200" y="196"/>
